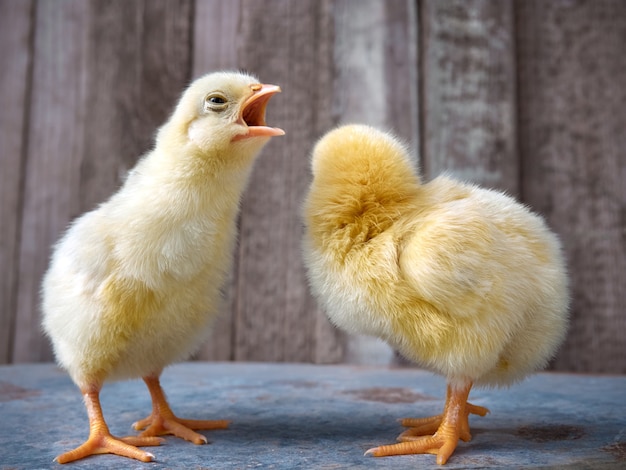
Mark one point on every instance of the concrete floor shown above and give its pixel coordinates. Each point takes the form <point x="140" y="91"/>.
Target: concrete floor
<point x="287" y="416"/>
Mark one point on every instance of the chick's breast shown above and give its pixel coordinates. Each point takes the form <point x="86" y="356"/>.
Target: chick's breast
<point x="119" y="309"/>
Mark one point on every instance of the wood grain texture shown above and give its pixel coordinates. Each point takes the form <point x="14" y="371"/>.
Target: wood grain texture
<point x="216" y="27"/>
<point x="15" y="62"/>
<point x="138" y="64"/>
<point x="375" y="58"/>
<point x="523" y="95"/>
<point x="55" y="149"/>
<point x="468" y="91"/>
<point x="572" y="70"/>
<point x="290" y="47"/>
<point x="401" y="71"/>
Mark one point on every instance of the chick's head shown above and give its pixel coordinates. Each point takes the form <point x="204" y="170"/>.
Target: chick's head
<point x="356" y="152"/>
<point x="362" y="179"/>
<point x="221" y="112"/>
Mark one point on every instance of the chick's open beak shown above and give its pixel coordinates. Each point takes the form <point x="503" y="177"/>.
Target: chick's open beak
<point x="252" y="113"/>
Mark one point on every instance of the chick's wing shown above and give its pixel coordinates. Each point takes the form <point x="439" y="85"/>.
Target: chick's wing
<point x="453" y="258"/>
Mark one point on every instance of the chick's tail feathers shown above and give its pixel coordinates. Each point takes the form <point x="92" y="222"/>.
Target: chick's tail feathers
<point x="163" y="421"/>
<point x="436" y="434"/>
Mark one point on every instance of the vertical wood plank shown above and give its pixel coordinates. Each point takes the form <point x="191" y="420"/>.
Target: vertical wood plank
<point x="375" y="62"/>
<point x="286" y="43"/>
<point x="572" y="70"/>
<point x="137" y="66"/>
<point x="55" y="148"/>
<point x="468" y="91"/>
<point x="216" y="25"/>
<point x="15" y="62"/>
<point x="402" y="70"/>
<point x="106" y="75"/>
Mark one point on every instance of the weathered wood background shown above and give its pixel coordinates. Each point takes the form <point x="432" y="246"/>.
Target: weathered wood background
<point x="527" y="96"/>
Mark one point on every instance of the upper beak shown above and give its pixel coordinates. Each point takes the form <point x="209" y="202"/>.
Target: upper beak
<point x="252" y="113"/>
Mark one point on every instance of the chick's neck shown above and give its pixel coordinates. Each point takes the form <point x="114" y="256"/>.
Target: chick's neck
<point x="189" y="184"/>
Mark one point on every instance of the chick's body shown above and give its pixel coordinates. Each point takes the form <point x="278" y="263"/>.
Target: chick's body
<point x="134" y="284"/>
<point x="464" y="281"/>
<point x="142" y="274"/>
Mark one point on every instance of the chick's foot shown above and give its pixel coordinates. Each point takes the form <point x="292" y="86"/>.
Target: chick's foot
<point x="163" y="421"/>
<point x="101" y="441"/>
<point x="436" y="434"/>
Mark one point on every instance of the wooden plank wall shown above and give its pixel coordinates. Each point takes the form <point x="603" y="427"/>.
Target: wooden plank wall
<point x="15" y="36"/>
<point x="525" y="96"/>
<point x="572" y="132"/>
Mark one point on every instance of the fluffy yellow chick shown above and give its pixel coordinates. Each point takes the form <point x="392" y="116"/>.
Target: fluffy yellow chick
<point x="134" y="284"/>
<point x="464" y="281"/>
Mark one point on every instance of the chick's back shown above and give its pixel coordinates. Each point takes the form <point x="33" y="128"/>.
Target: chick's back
<point x="495" y="272"/>
<point x="462" y="280"/>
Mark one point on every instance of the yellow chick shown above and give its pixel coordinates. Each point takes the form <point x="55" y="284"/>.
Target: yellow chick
<point x="134" y="284"/>
<point x="464" y="281"/>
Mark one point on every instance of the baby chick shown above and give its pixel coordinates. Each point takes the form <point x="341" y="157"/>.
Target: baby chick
<point x="464" y="281"/>
<point x="134" y="284"/>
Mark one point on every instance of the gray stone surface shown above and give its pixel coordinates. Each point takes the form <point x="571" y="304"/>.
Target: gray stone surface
<point x="292" y="416"/>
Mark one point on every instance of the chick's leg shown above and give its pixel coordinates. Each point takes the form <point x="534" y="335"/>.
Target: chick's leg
<point x="101" y="441"/>
<point x="446" y="429"/>
<point x="163" y="421"/>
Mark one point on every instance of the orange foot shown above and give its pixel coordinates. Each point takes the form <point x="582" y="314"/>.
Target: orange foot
<point x="101" y="441"/>
<point x="437" y="434"/>
<point x="163" y="421"/>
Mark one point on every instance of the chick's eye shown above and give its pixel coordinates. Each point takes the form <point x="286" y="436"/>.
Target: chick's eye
<point x="215" y="102"/>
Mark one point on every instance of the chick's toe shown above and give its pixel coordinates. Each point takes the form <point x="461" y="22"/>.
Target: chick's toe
<point x="429" y="425"/>
<point x="163" y="421"/>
